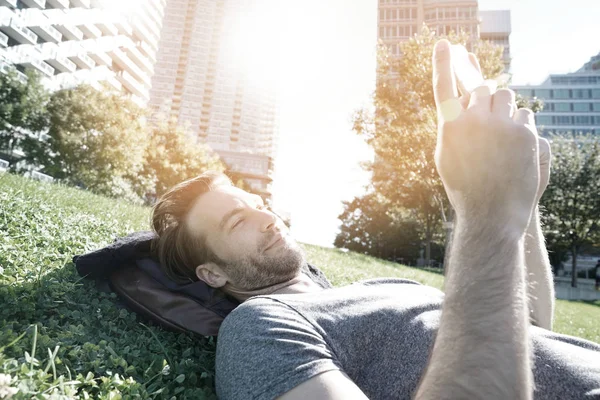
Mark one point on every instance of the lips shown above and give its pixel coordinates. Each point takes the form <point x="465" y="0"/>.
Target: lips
<point x="276" y="240"/>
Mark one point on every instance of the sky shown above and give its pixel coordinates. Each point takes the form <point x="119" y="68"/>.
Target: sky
<point x="323" y="60"/>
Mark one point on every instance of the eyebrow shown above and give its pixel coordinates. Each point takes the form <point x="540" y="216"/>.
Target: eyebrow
<point x="228" y="216"/>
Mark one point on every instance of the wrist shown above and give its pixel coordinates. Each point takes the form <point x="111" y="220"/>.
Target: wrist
<point x="498" y="224"/>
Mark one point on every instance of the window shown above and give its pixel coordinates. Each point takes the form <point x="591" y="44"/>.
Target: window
<point x="561" y="93"/>
<point x="581" y="107"/>
<point x="581" y="93"/>
<point x="382" y="32"/>
<point x="542" y="93"/>
<point x="582" y="120"/>
<point x="562" y="107"/>
<point x="525" y="92"/>
<point x="563" y="120"/>
<point x="543" y="119"/>
<point x="548" y="106"/>
<point x="595" y="93"/>
<point x="596" y="106"/>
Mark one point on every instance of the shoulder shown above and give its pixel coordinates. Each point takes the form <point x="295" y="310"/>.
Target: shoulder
<point x="265" y="346"/>
<point x="254" y="312"/>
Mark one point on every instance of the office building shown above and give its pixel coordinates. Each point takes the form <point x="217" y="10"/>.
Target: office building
<point x="398" y="20"/>
<point x="196" y="83"/>
<point x="495" y="27"/>
<point x="69" y="42"/>
<point x="571" y="101"/>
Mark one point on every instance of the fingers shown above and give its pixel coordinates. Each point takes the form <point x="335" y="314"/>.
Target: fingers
<point x="481" y="98"/>
<point x="444" y="84"/>
<point x="503" y="103"/>
<point x="524" y="116"/>
<point x="475" y="61"/>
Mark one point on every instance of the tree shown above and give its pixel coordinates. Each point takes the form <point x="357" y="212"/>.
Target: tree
<point x="22" y="109"/>
<point x="402" y="128"/>
<point x="371" y="226"/>
<point x="96" y="140"/>
<point x="173" y="155"/>
<point x="572" y="199"/>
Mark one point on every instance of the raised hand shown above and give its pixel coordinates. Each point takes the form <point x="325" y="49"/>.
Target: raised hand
<point x="487" y="154"/>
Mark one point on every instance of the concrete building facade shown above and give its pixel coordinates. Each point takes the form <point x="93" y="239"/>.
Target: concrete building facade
<point x="571" y="101"/>
<point x="398" y="20"/>
<point x="69" y="42"/>
<point x="196" y="83"/>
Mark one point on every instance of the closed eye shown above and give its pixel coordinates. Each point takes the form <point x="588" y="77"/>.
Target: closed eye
<point x="237" y="223"/>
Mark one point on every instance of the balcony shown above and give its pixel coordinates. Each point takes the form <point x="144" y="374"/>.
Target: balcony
<point x="154" y="15"/>
<point x="35" y="3"/>
<point x="83" y="61"/>
<point x="147" y="50"/>
<point x="47" y="32"/>
<point x="70" y="31"/>
<point x="121" y="59"/>
<point x="140" y="32"/>
<point x="108" y="28"/>
<point x="3" y="40"/>
<point x="8" y="3"/>
<point x="141" y="60"/>
<point x="114" y="83"/>
<point x="132" y="84"/>
<point x="90" y="31"/>
<point x="81" y="3"/>
<point x="17" y="31"/>
<point x="124" y="27"/>
<point x="60" y="4"/>
<point x="61" y="63"/>
<point x="101" y="58"/>
<point x="40" y="66"/>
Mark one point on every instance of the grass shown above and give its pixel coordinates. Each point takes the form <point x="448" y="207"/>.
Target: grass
<point x="59" y="336"/>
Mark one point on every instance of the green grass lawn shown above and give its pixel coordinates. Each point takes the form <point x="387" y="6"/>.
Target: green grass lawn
<point x="60" y="336"/>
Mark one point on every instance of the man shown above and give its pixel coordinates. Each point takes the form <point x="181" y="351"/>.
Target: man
<point x="392" y="338"/>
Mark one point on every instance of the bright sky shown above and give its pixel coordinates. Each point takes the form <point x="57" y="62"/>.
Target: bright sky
<point x="326" y="63"/>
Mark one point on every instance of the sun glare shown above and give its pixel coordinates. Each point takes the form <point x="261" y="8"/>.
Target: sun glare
<point x="252" y="45"/>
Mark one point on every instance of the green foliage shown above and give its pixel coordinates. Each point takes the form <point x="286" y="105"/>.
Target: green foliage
<point x="403" y="128"/>
<point x="86" y="345"/>
<point x="571" y="202"/>
<point x="174" y="155"/>
<point x="97" y="140"/>
<point x="370" y="227"/>
<point x="61" y="336"/>
<point x="22" y="109"/>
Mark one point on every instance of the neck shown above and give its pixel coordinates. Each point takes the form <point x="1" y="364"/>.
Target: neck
<point x="299" y="284"/>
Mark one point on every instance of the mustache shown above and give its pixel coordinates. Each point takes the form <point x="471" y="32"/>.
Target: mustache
<point x="267" y="239"/>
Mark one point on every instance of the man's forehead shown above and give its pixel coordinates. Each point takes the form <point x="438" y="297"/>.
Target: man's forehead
<point x="209" y="208"/>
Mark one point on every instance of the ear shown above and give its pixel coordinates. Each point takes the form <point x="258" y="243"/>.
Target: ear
<point x="212" y="275"/>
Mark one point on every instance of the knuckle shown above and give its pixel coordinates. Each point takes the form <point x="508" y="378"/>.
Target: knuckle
<point x="526" y="112"/>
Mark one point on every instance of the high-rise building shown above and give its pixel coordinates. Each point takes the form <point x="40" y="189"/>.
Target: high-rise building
<point x="571" y="101"/>
<point x="70" y="42"/>
<point x="496" y="28"/>
<point x="196" y="83"/>
<point x="400" y="19"/>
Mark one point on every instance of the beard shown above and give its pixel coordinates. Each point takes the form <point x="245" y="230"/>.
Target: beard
<point x="261" y="270"/>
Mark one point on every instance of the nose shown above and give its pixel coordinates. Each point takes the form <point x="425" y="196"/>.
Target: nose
<point x="268" y="220"/>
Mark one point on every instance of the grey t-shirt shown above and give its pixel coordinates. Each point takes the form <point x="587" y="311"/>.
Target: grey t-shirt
<point x="378" y="332"/>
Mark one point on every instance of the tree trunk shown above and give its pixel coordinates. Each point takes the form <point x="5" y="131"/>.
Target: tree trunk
<point x="428" y="243"/>
<point x="574" y="266"/>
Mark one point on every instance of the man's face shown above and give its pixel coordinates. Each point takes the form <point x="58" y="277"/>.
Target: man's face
<point x="252" y="243"/>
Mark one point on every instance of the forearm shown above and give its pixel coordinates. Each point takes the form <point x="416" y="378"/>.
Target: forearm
<point x="539" y="275"/>
<point x="482" y="348"/>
